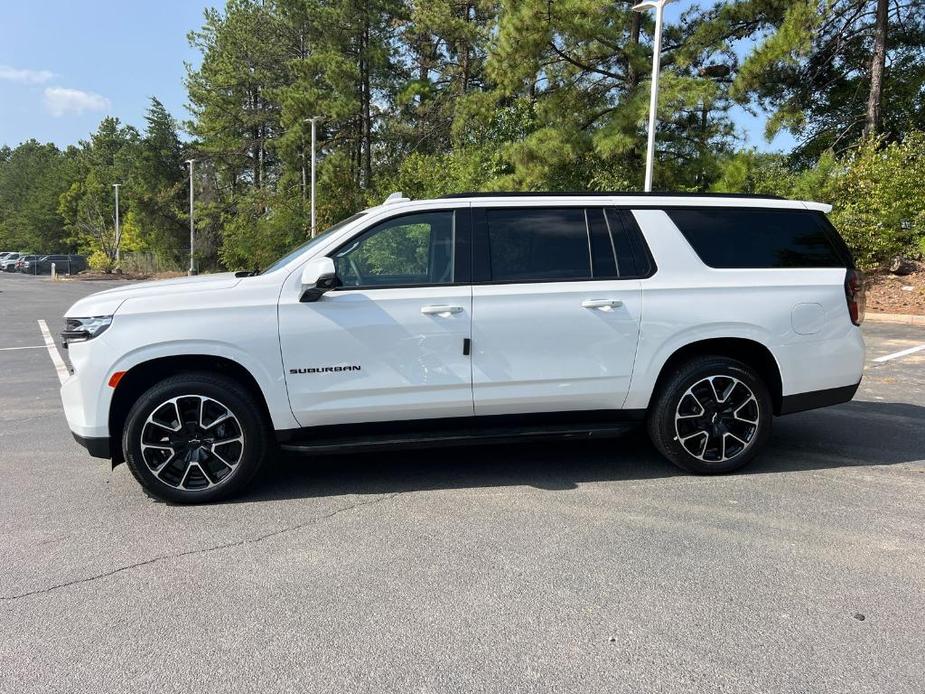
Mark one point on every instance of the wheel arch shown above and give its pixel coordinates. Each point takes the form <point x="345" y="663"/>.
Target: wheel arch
<point x="748" y="351"/>
<point x="145" y="374"/>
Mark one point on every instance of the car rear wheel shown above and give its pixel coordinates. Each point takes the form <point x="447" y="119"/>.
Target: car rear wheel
<point x="195" y="438"/>
<point x="712" y="415"/>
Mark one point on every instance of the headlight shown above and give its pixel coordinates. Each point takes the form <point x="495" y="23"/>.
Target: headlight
<point x="83" y="329"/>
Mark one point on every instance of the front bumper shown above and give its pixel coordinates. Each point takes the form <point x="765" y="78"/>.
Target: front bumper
<point x="84" y="394"/>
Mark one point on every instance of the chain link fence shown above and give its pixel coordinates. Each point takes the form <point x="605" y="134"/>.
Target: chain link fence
<point x="140" y="263"/>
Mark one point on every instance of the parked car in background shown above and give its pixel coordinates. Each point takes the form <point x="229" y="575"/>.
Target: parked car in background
<point x="8" y="264"/>
<point x="64" y="264"/>
<point x="26" y="264"/>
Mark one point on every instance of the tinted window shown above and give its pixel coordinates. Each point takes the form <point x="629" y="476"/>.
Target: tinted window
<point x="410" y="250"/>
<point x="603" y="260"/>
<point x="632" y="259"/>
<point x="743" y="238"/>
<point x="538" y="244"/>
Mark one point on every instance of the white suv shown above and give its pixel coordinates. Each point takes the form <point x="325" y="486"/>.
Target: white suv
<point x="474" y="317"/>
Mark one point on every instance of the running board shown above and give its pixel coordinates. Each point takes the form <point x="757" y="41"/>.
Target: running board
<point x="436" y="439"/>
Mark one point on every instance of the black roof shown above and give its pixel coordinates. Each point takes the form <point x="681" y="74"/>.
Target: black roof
<point x="589" y="193"/>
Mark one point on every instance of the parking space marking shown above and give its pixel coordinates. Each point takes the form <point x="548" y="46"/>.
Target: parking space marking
<point x="897" y="355"/>
<point x="53" y="352"/>
<point x="13" y="349"/>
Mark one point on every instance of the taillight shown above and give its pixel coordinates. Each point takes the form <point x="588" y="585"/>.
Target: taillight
<point x="854" y="294"/>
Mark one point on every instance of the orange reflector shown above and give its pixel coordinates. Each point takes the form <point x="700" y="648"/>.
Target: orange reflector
<point x="116" y="377"/>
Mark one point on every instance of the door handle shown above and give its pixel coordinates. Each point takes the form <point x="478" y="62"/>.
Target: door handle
<point x="601" y="303"/>
<point x="440" y="310"/>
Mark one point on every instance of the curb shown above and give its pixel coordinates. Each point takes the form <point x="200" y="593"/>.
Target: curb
<point x="902" y="318"/>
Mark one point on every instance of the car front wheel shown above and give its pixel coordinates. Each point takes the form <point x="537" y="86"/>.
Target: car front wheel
<point x="712" y="415"/>
<point x="195" y="438"/>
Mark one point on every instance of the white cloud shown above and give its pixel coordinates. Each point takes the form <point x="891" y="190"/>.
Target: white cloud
<point x="24" y="76"/>
<point x="60" y="101"/>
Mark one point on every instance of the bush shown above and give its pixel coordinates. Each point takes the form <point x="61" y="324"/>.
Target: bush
<point x="879" y="200"/>
<point x="100" y="262"/>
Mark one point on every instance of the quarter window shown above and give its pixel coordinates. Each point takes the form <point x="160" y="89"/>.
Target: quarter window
<point x="758" y="238"/>
<point x="417" y="249"/>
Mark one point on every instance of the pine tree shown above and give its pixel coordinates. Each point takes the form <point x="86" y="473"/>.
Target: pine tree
<point x="829" y="71"/>
<point x="157" y="187"/>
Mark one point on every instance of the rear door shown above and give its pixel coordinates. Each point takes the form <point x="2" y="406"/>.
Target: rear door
<point x="392" y="342"/>
<point x="556" y="309"/>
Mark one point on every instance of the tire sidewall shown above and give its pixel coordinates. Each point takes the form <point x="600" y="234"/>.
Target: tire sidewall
<point x="226" y="392"/>
<point x="662" y="426"/>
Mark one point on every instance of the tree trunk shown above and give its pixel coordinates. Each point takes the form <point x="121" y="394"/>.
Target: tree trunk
<point x="366" y="126"/>
<point x="632" y="78"/>
<point x="633" y="156"/>
<point x="466" y="68"/>
<point x="877" y="65"/>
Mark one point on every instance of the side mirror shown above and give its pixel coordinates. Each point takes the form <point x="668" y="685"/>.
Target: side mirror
<point x="318" y="277"/>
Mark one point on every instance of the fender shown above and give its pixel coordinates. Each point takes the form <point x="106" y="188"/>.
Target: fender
<point x="271" y="382"/>
<point x="649" y="364"/>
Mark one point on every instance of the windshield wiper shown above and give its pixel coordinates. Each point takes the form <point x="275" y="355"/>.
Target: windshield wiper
<point x="248" y="273"/>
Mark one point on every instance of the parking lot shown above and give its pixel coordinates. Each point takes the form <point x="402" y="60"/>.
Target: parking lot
<point x="572" y="567"/>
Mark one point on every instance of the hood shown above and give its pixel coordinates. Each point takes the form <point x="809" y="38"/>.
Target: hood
<point x="106" y="303"/>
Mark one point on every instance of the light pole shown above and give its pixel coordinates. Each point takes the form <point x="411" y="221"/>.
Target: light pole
<point x="313" y="120"/>
<point x="659" y="6"/>
<point x="118" y="231"/>
<point x="192" y="222"/>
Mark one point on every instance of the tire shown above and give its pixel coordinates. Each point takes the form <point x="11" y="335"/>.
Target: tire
<point x="724" y="400"/>
<point x="172" y="434"/>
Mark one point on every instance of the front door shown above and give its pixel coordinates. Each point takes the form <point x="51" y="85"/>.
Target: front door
<point x="391" y="343"/>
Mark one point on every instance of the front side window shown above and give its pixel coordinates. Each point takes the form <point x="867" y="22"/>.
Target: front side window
<point x="415" y="249"/>
<point x="538" y="244"/>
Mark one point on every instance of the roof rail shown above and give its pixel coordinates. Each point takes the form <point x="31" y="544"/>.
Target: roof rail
<point x="540" y="194"/>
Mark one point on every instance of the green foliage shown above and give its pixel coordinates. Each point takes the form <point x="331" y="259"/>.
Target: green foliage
<point x="876" y="193"/>
<point x="100" y="261"/>
<point x="880" y="200"/>
<point x="438" y="96"/>
<point x="262" y="229"/>
<point x="156" y="191"/>
<point x="811" y="67"/>
<point x="88" y="206"/>
<point x="402" y="250"/>
<point x="32" y="178"/>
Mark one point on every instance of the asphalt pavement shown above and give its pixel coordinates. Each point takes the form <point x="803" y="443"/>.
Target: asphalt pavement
<point x="567" y="567"/>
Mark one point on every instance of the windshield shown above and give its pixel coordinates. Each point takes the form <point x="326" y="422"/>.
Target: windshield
<point x="296" y="252"/>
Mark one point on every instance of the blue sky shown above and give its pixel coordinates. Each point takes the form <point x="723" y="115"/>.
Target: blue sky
<point x="64" y="64"/>
<point x="104" y="58"/>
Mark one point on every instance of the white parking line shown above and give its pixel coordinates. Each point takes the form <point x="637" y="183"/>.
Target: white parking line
<point x="53" y="352"/>
<point x="13" y="349"/>
<point x="897" y="355"/>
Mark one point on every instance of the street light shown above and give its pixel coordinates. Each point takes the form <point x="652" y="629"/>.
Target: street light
<point x="192" y="223"/>
<point x="313" y="120"/>
<point x="118" y="232"/>
<point x="659" y="6"/>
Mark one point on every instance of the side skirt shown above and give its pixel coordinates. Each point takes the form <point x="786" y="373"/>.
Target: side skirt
<point x="459" y="431"/>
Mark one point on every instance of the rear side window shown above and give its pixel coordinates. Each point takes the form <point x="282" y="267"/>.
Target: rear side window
<point x="538" y="244"/>
<point x="759" y="238"/>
